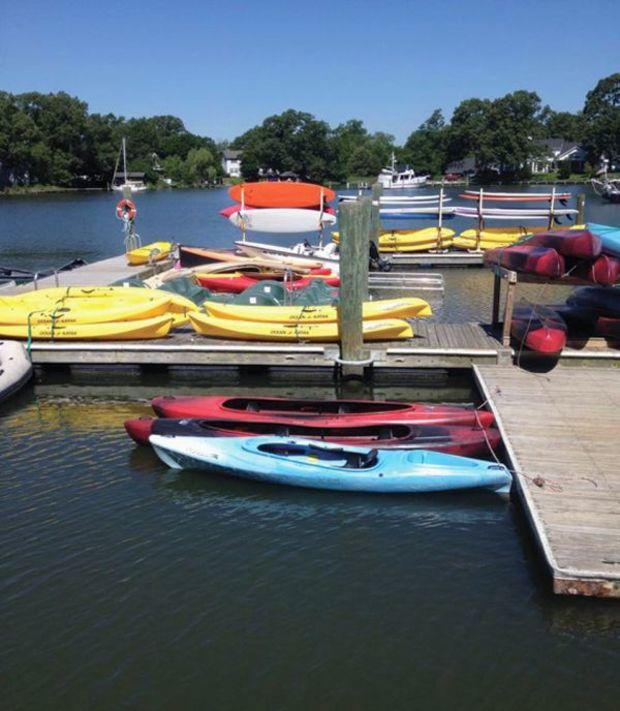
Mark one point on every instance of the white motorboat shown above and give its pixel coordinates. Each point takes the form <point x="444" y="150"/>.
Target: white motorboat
<point x="15" y="368"/>
<point x="391" y="179"/>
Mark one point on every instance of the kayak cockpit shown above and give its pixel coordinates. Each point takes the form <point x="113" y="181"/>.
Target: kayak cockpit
<point x="317" y="456"/>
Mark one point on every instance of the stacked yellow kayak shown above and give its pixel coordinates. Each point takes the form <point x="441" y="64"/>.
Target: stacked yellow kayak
<point x="492" y="237"/>
<point x="382" y="320"/>
<point x="154" y="252"/>
<point x="92" y="313"/>
<point x="420" y="240"/>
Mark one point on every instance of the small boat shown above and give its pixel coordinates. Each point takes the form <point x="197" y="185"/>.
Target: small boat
<point x="608" y="189"/>
<point x="411" y="240"/>
<point x="319" y="465"/>
<point x="538" y="328"/>
<point x="571" y="243"/>
<point x="608" y="328"/>
<point x="281" y="220"/>
<point x="156" y="327"/>
<point x="603" y="271"/>
<point x="538" y="261"/>
<point x="154" y="252"/>
<point x="302" y="253"/>
<point x="391" y="179"/>
<point x="451" y="439"/>
<point x="95" y="296"/>
<point x="603" y="301"/>
<point x="375" y="330"/>
<point x="15" y="368"/>
<point x="609" y="236"/>
<point x="303" y="410"/>
<point x="281" y="194"/>
<point x="513" y="197"/>
<point x="76" y="311"/>
<point x="382" y="308"/>
<point x="236" y="282"/>
<point x="135" y="186"/>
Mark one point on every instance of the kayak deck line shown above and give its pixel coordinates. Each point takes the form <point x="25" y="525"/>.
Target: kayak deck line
<point x="560" y="432"/>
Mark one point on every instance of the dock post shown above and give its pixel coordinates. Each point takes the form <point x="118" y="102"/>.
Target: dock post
<point x="581" y="208"/>
<point x="497" y="290"/>
<point x="509" y="308"/>
<point x="354" y="220"/>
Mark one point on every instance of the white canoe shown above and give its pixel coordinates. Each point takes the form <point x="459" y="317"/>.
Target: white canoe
<point x="15" y="368"/>
<point x="281" y="220"/>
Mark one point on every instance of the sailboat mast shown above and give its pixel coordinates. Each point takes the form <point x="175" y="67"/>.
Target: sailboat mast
<point x="124" y="160"/>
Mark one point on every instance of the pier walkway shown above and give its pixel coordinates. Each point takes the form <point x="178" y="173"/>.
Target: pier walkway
<point x="560" y="430"/>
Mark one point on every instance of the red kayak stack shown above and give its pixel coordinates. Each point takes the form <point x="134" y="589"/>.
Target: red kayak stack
<point x="578" y="255"/>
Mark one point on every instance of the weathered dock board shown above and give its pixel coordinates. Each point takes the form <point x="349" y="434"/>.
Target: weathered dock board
<point x="561" y="434"/>
<point x="403" y="261"/>
<point x="99" y="273"/>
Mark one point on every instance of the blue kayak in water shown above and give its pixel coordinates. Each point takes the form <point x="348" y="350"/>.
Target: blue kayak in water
<point x="319" y="465"/>
<point x="609" y="236"/>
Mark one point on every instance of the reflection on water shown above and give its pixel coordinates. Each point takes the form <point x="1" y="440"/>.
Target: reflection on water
<point x="125" y="583"/>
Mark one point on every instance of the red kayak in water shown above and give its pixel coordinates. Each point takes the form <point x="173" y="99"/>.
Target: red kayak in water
<point x="538" y="328"/>
<point x="570" y="243"/>
<point x="451" y="439"/>
<point x="528" y="259"/>
<point x="240" y="282"/>
<point x="325" y="412"/>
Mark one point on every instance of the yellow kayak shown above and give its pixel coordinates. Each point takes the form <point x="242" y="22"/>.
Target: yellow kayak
<point x="371" y="310"/>
<point x="81" y="311"/>
<point x="156" y="327"/>
<point x="397" y="238"/>
<point x="103" y="294"/>
<point x="384" y="330"/>
<point x="155" y="252"/>
<point x="417" y="247"/>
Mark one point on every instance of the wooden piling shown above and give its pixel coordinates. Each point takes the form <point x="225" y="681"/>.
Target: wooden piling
<point x="581" y="208"/>
<point x="354" y="220"/>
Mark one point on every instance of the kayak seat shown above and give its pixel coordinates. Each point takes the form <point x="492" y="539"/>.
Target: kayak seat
<point x="366" y="460"/>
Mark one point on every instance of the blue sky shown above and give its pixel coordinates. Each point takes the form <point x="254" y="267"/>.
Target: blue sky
<point x="224" y="66"/>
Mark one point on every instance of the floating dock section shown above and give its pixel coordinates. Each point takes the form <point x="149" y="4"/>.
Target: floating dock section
<point x="560" y="430"/>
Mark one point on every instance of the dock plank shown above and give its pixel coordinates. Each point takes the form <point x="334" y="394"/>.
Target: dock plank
<point x="562" y="426"/>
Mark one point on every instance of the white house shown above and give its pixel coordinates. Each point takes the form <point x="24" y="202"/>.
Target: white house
<point x="231" y="163"/>
<point x="556" y="151"/>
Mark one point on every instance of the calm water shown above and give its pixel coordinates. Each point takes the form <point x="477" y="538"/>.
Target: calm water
<point x="124" y="584"/>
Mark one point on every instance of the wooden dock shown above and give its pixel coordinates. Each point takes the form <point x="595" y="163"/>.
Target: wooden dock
<point x="106" y="271"/>
<point x="560" y="430"/>
<point x="402" y="261"/>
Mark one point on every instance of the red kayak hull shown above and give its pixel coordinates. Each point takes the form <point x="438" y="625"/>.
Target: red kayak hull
<point x="539" y="328"/>
<point x="325" y="412"/>
<point x="450" y="439"/>
<point x="570" y="243"/>
<point x="528" y="259"/>
<point x="603" y="271"/>
<point x="238" y="284"/>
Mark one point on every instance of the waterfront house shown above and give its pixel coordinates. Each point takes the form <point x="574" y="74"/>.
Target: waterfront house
<point x="554" y="151"/>
<point x="231" y="163"/>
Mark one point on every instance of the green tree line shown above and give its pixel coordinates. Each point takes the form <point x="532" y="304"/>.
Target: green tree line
<point x="53" y="139"/>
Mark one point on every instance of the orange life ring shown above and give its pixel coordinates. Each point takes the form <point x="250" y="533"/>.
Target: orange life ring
<point x="126" y="209"/>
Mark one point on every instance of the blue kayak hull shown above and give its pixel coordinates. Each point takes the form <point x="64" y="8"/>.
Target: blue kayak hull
<point x="610" y="237"/>
<point x="322" y="466"/>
